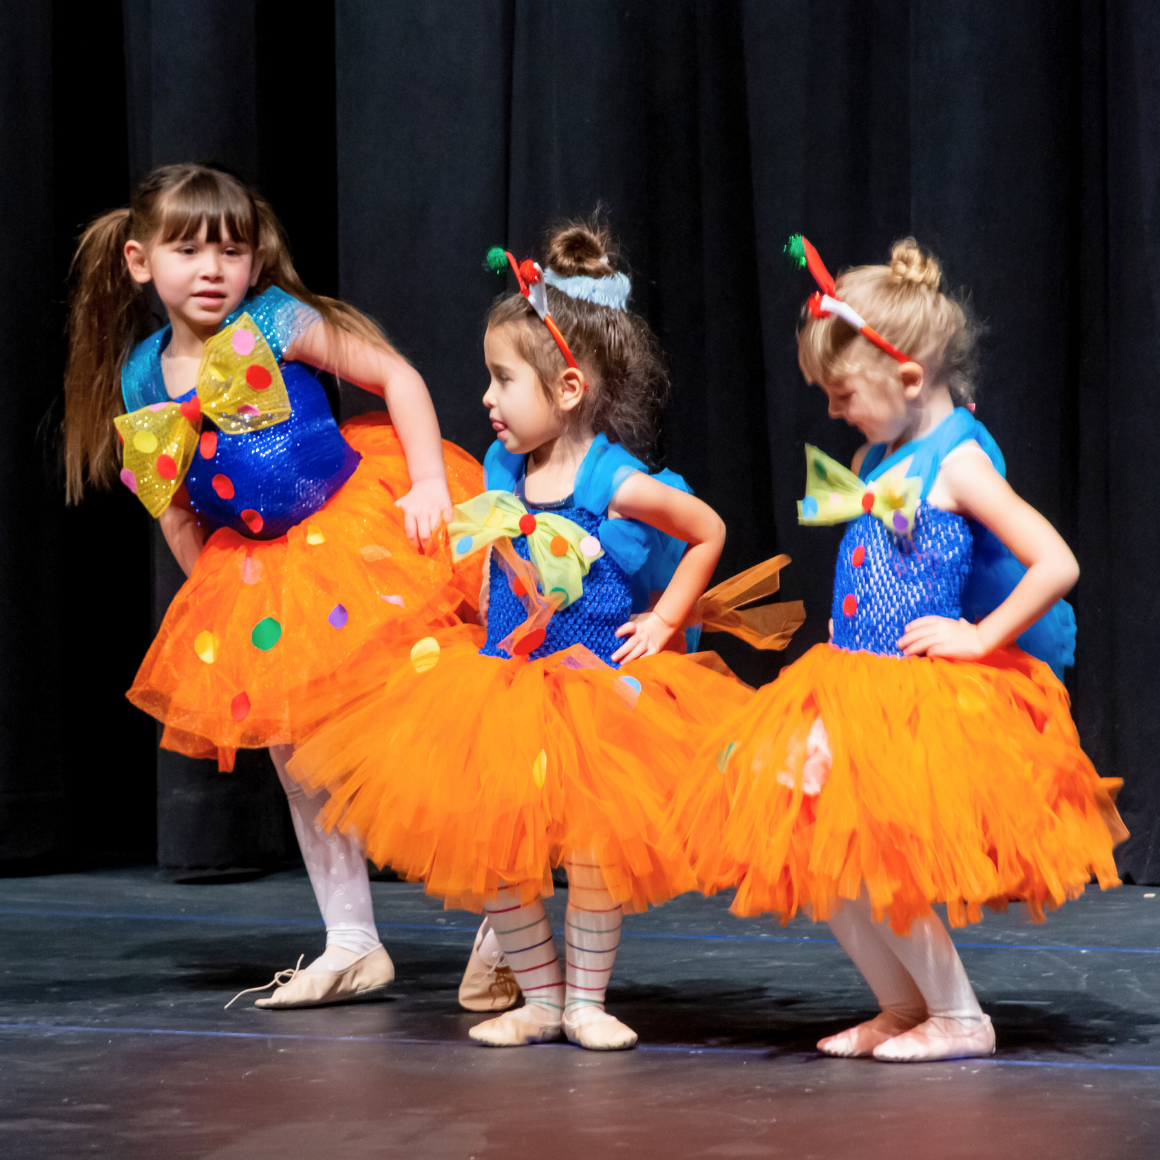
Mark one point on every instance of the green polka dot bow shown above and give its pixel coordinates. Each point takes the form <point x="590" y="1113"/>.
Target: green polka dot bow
<point x="835" y="495"/>
<point x="562" y="551"/>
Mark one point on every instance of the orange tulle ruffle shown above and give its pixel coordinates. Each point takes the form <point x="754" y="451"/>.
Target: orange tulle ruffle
<point x="951" y="781"/>
<point x="467" y="772"/>
<point x="260" y="621"/>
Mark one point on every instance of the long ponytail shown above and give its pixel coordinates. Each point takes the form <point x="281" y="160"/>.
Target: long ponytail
<point x="107" y="312"/>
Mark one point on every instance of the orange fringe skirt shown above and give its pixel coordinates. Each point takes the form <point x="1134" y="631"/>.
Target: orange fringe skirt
<point x="468" y="772"/>
<point x="260" y="621"/>
<point x="951" y="781"/>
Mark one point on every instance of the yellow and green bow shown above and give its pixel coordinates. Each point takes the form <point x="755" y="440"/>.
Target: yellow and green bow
<point x="835" y="495"/>
<point x="239" y="386"/>
<point x="561" y="550"/>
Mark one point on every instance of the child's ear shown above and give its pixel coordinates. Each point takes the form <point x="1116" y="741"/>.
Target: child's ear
<point x="570" y="388"/>
<point x="255" y="273"/>
<point x="137" y="259"/>
<point x="912" y="377"/>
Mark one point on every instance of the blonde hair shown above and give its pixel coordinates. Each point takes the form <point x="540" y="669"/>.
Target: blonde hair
<point x="627" y="381"/>
<point x="109" y="312"/>
<point x="903" y="301"/>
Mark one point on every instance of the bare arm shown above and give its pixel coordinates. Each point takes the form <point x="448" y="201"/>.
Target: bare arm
<point x="686" y="518"/>
<point x="387" y="374"/>
<point x="182" y="533"/>
<point x="971" y="486"/>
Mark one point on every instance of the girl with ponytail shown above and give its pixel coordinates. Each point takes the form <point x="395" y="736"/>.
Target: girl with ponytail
<point x="303" y="543"/>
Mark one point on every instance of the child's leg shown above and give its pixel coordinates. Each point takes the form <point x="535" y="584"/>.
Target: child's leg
<point x="525" y="937"/>
<point x="897" y="993"/>
<point x="592" y="935"/>
<point x="354" y="962"/>
<point x="956" y="1027"/>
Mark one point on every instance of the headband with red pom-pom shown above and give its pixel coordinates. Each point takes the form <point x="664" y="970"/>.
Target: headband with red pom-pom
<point x="531" y="282"/>
<point x="823" y="303"/>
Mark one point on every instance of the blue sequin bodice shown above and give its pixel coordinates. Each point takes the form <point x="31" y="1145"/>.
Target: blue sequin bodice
<point x="883" y="580"/>
<point x="284" y="472"/>
<point x="591" y="621"/>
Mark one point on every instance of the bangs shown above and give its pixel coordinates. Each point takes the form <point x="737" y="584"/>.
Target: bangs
<point x="211" y="199"/>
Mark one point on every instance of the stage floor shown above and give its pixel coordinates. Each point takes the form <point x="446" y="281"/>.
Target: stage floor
<point x="113" y="1040"/>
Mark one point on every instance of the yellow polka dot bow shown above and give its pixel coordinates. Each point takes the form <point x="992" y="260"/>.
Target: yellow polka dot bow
<point x="239" y="386"/>
<point x="561" y="550"/>
<point x="835" y="495"/>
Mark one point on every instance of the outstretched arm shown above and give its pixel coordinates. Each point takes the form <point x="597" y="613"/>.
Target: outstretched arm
<point x="972" y="487"/>
<point x="686" y="518"/>
<point x="387" y="374"/>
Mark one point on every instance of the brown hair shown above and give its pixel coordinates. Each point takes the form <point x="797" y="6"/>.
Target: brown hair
<point x="903" y="301"/>
<point x="109" y="312"/>
<point x="618" y="353"/>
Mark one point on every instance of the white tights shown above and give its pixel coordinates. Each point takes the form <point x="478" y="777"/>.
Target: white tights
<point x="337" y="869"/>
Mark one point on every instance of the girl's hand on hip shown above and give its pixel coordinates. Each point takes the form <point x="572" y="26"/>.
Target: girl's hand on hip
<point x="940" y="636"/>
<point x="648" y="634"/>
<point x="426" y="505"/>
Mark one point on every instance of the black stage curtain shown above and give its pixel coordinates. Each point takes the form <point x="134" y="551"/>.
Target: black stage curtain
<point x="398" y="141"/>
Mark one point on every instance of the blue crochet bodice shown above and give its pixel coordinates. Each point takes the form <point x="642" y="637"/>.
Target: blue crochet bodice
<point x="884" y="580"/>
<point x="284" y="472"/>
<point x="591" y="621"/>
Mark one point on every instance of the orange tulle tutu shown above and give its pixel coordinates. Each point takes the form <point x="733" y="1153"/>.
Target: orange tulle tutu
<point x="951" y="781"/>
<point x="260" y="621"/>
<point x="467" y="771"/>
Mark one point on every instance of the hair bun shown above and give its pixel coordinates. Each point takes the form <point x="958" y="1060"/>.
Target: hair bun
<point x="581" y="247"/>
<point x="909" y="263"/>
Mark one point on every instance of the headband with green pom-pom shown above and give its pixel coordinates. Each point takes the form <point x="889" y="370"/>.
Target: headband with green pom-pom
<point x="531" y="282"/>
<point x="823" y="303"/>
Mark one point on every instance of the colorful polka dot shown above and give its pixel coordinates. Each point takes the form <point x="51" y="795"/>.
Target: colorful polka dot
<point x="628" y="690"/>
<point x="253" y="520"/>
<point x="242" y="340"/>
<point x="559" y="546"/>
<point x="248" y="410"/>
<point x="425" y="654"/>
<point x="129" y="480"/>
<point x="266" y="634"/>
<point x="494" y="518"/>
<point x="258" y="377"/>
<point x="590" y="547"/>
<point x="464" y="544"/>
<point x="251" y="570"/>
<point x="529" y="642"/>
<point x="527" y="524"/>
<point x="223" y="485"/>
<point x="314" y="535"/>
<point x="850" y="604"/>
<point x="145" y="442"/>
<point x="395" y="600"/>
<point x="240" y="707"/>
<point x="858" y="557"/>
<point x="338" y="616"/>
<point x="820" y="469"/>
<point x="518" y="586"/>
<point x="191" y="409"/>
<point x="205" y="645"/>
<point x="868" y="502"/>
<point x="809" y="507"/>
<point x="901" y="523"/>
<point x="159" y="406"/>
<point x="207" y="444"/>
<point x="540" y="769"/>
<point x="372" y="553"/>
<point x="724" y="755"/>
<point x="166" y="467"/>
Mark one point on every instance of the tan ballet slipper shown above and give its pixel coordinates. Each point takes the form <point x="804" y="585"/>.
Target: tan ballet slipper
<point x="859" y="1041"/>
<point x="487" y="986"/>
<point x="940" y="1038"/>
<point x="364" y="975"/>
<point x="595" y="1029"/>
<point x="519" y="1028"/>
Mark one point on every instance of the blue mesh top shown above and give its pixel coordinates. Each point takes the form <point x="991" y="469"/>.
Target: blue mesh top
<point x="952" y="566"/>
<point x="592" y="620"/>
<point x="285" y="472"/>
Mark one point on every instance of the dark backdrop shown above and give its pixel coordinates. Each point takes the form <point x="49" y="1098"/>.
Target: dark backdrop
<point x="399" y="140"/>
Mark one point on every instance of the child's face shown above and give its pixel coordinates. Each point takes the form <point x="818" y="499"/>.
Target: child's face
<point x="874" y="402"/>
<point x="522" y="415"/>
<point x="199" y="281"/>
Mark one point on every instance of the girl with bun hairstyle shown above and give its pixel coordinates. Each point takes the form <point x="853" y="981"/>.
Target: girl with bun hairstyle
<point x="921" y="756"/>
<point x="559" y="730"/>
<point x="302" y="541"/>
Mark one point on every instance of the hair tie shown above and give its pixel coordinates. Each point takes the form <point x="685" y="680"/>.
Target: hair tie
<point x="612" y="290"/>
<point x="530" y="277"/>
<point x="823" y="303"/>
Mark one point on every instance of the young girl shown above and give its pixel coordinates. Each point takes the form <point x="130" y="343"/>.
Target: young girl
<point x="301" y="542"/>
<point x="918" y="757"/>
<point x="560" y="732"/>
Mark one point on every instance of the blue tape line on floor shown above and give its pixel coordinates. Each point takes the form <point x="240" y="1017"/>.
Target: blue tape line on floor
<point x="627" y="934"/>
<point x="678" y="1049"/>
